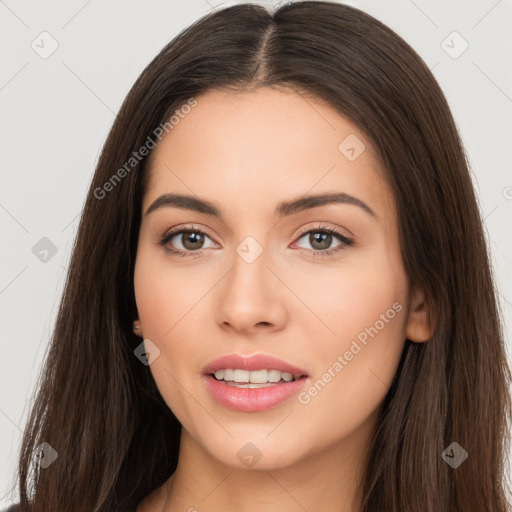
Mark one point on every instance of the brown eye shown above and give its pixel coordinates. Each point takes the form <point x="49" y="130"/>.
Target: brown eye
<point x="192" y="240"/>
<point x="321" y="241"/>
<point x="185" y="242"/>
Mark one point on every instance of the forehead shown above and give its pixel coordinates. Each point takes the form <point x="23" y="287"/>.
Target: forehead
<point x="262" y="146"/>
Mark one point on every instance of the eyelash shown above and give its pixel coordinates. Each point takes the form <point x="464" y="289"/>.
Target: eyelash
<point x="346" y="241"/>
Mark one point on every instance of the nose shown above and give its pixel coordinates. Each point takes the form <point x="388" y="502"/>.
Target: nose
<point x="251" y="298"/>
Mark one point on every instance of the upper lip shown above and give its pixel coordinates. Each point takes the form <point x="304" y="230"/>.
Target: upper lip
<point x="250" y="363"/>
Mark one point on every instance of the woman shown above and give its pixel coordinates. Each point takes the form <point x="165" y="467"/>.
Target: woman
<point x="280" y="295"/>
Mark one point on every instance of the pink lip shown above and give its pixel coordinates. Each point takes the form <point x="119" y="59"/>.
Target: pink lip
<point x="252" y="399"/>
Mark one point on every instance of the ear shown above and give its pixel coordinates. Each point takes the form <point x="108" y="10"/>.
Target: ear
<point x="418" y="328"/>
<point x="137" y="329"/>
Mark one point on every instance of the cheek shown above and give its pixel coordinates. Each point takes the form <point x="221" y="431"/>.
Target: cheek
<point x="349" y="384"/>
<point x="165" y="299"/>
<point x="356" y="360"/>
<point x="163" y="293"/>
<point x="345" y="301"/>
<point x="352" y="381"/>
<point x="170" y="301"/>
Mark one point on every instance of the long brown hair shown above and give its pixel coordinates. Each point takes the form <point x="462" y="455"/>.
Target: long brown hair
<point x="98" y="407"/>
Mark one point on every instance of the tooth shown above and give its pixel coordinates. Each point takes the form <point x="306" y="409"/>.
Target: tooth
<point x="258" y="376"/>
<point x="274" y="375"/>
<point x="241" y="376"/>
<point x="254" y="377"/>
<point x="250" y="385"/>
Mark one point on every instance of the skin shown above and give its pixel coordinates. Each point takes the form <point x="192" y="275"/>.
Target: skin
<point x="247" y="152"/>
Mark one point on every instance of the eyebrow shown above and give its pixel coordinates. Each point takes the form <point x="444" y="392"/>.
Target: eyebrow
<point x="283" y="209"/>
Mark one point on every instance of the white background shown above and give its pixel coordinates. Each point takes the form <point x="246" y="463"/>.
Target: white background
<point x="56" y="113"/>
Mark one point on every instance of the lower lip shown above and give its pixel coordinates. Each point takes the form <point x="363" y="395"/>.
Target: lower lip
<point x="252" y="399"/>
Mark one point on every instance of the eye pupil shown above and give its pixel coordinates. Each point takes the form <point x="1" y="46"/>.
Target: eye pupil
<point x="325" y="240"/>
<point x="195" y="240"/>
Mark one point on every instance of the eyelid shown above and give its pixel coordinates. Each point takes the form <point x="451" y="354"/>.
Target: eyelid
<point x="346" y="241"/>
<point x="186" y="227"/>
<point x="172" y="232"/>
<point x="323" y="226"/>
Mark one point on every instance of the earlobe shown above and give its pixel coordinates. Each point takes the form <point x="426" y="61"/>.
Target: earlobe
<point x="137" y="329"/>
<point x="418" y="328"/>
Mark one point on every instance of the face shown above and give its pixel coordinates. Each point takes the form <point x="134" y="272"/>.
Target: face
<point x="319" y="286"/>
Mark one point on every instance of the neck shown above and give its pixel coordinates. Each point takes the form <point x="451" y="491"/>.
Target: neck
<point x="329" y="479"/>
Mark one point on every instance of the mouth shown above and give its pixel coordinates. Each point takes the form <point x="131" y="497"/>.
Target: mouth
<point x="254" y="379"/>
<point x="252" y="384"/>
